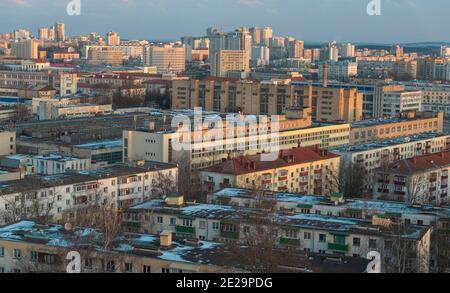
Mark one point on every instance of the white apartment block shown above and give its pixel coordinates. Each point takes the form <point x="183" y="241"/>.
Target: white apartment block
<point x="120" y="186"/>
<point x="57" y="164"/>
<point x="395" y="103"/>
<point x="7" y="143"/>
<point x="340" y="70"/>
<point x="370" y="156"/>
<point x="158" y="145"/>
<point x="166" y="58"/>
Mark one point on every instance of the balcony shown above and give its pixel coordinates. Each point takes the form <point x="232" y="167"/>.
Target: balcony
<point x="185" y="230"/>
<point x="132" y="224"/>
<point x="318" y="172"/>
<point x="282" y="188"/>
<point x="304" y="174"/>
<point x="337" y="247"/>
<point x="444" y="186"/>
<point x="289" y="241"/>
<point x="266" y="182"/>
<point x="400" y="183"/>
<point x="284" y="178"/>
<point x="432" y="180"/>
<point x="229" y="235"/>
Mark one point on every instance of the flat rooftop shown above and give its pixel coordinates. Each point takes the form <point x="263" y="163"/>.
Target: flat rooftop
<point x="146" y="245"/>
<point x="34" y="182"/>
<point x="387" y="143"/>
<point x="101" y="144"/>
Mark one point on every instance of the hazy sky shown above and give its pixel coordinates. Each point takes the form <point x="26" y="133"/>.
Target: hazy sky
<point x="311" y="20"/>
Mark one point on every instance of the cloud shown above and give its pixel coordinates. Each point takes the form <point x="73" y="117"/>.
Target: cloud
<point x="251" y="3"/>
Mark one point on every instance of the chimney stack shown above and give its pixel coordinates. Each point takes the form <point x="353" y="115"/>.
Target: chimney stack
<point x="165" y="239"/>
<point x="325" y="75"/>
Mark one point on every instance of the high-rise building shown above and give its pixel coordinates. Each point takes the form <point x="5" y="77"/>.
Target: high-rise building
<point x="60" y="32"/>
<point x="167" y="58"/>
<point x="25" y="49"/>
<point x="266" y="35"/>
<point x="256" y="35"/>
<point x="225" y="61"/>
<point x="347" y="50"/>
<point x="332" y="52"/>
<point x="445" y="52"/>
<point x="397" y="50"/>
<point x="113" y="39"/>
<point x="21" y="34"/>
<point x="260" y="56"/>
<point x="43" y="33"/>
<point x="340" y="70"/>
<point x="405" y="69"/>
<point x="52" y="33"/>
<point x="295" y="49"/>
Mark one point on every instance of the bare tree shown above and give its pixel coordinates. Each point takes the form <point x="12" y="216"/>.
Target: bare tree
<point x="165" y="184"/>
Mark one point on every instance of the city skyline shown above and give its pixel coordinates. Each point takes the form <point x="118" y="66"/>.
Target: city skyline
<point x="413" y="20"/>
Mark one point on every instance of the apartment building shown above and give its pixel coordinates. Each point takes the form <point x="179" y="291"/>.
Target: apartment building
<point x="319" y="234"/>
<point x="105" y="56"/>
<point x="405" y="69"/>
<point x="370" y="156"/>
<point x="272" y="97"/>
<point x="337" y="104"/>
<point x="7" y="143"/>
<point x="57" y="195"/>
<point x="65" y="83"/>
<point x="420" y="180"/>
<point x="157" y="145"/>
<point x="408" y="124"/>
<point x="134" y="51"/>
<point x="56" y="164"/>
<point x="224" y="62"/>
<point x="232" y="95"/>
<point x="334" y="206"/>
<point x="339" y="70"/>
<point x="27" y="49"/>
<point x="166" y="58"/>
<point x="31" y="247"/>
<point x="395" y="103"/>
<point x="302" y="170"/>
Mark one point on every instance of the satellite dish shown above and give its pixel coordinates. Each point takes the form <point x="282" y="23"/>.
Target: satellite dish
<point x="68" y="227"/>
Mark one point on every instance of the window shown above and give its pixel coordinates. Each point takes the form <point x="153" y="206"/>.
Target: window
<point x="173" y="221"/>
<point x="165" y="270"/>
<point x="146" y="269"/>
<point x="372" y="243"/>
<point x="307" y="235"/>
<point x="2" y="252"/>
<point x="322" y="238"/>
<point x="420" y="222"/>
<point x="34" y="256"/>
<point x="202" y="225"/>
<point x="17" y="253"/>
<point x="216" y="226"/>
<point x="128" y="267"/>
<point x="356" y="241"/>
<point x="111" y="266"/>
<point x="160" y="220"/>
<point x="187" y="222"/>
<point x="88" y="263"/>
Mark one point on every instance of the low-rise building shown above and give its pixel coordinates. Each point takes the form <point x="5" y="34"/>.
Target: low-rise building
<point x="419" y="180"/>
<point x="303" y="170"/>
<point x="320" y="234"/>
<point x="395" y="103"/>
<point x="57" y="164"/>
<point x="62" y="194"/>
<point x="30" y="247"/>
<point x="157" y="145"/>
<point x="407" y="124"/>
<point x="370" y="156"/>
<point x="7" y="143"/>
<point x="102" y="152"/>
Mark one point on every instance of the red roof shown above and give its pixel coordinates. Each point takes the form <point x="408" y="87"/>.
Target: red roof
<point x="419" y="164"/>
<point x="251" y="164"/>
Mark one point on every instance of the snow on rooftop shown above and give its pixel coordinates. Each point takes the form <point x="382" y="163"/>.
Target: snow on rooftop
<point x="101" y="144"/>
<point x="317" y="218"/>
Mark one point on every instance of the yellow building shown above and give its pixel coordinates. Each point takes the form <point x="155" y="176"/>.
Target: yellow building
<point x="105" y="55"/>
<point x="224" y="61"/>
<point x="409" y="123"/>
<point x="25" y="49"/>
<point x="301" y="170"/>
<point x="337" y="104"/>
